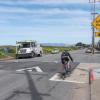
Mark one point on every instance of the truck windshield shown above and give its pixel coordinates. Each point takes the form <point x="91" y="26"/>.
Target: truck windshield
<point x="25" y="45"/>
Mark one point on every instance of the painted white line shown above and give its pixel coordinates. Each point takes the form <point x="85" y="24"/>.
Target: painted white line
<point x="56" y="61"/>
<point x="19" y="70"/>
<point x="47" y="61"/>
<point x="37" y="68"/>
<point x="30" y="70"/>
<point x="24" y="60"/>
<point x="60" y="80"/>
<point x="24" y="69"/>
<point x="56" y="77"/>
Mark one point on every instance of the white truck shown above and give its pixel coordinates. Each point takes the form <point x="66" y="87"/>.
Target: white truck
<point x="28" y="48"/>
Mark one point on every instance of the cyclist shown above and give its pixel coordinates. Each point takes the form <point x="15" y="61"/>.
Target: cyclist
<point x="65" y="59"/>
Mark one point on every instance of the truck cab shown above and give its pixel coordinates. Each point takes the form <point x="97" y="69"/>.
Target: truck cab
<point x="28" y="48"/>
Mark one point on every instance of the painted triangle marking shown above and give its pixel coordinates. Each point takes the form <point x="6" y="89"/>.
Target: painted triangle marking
<point x="37" y="68"/>
<point x="57" y="78"/>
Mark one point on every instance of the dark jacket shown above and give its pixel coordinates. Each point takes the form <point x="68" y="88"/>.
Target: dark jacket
<point x="66" y="54"/>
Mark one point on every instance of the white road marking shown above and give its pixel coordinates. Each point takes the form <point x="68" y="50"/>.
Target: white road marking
<point x="37" y="68"/>
<point x="46" y="61"/>
<point x="19" y="70"/>
<point x="24" y="60"/>
<point x="56" y="61"/>
<point x="56" y="77"/>
<point x="30" y="70"/>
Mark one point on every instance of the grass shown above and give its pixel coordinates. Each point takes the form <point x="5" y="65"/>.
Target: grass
<point x="1" y="55"/>
<point x="46" y="50"/>
<point x="11" y="51"/>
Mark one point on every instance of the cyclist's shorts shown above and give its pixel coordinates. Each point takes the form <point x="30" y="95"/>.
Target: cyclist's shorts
<point x="63" y="60"/>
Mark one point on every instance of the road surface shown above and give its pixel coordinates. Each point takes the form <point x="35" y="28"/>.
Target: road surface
<point x="29" y="79"/>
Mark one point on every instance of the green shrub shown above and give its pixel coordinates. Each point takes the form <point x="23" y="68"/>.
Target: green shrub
<point x="1" y="53"/>
<point x="11" y="50"/>
<point x="48" y="49"/>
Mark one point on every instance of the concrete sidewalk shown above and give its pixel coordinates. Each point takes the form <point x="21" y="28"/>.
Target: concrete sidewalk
<point x="83" y="92"/>
<point x="87" y="66"/>
<point x="79" y="75"/>
<point x="95" y="90"/>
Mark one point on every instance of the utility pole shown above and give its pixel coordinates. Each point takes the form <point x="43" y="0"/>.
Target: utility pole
<point x="93" y="13"/>
<point x="93" y="29"/>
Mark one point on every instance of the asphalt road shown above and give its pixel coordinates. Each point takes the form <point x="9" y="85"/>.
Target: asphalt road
<point x="19" y="84"/>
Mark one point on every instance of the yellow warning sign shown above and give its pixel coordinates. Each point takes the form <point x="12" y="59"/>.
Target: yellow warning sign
<point x="96" y="22"/>
<point x="97" y="34"/>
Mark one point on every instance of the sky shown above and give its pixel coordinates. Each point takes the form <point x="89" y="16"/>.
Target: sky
<point x="46" y="21"/>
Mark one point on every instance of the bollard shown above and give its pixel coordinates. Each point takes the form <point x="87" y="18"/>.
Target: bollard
<point x="91" y="77"/>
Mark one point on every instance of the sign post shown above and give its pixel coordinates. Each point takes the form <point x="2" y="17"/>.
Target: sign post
<point x="93" y="29"/>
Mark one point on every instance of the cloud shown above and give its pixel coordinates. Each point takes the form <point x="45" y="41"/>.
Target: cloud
<point x="42" y="14"/>
<point x="63" y="6"/>
<point x="13" y="10"/>
<point x="44" y="17"/>
<point x="22" y="20"/>
<point x="42" y="11"/>
<point x="45" y="1"/>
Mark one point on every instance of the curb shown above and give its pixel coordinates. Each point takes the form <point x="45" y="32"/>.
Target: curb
<point x="5" y="59"/>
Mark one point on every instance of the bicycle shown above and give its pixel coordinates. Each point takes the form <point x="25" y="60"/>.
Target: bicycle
<point x="67" y="69"/>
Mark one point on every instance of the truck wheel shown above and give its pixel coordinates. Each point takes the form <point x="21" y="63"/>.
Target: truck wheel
<point x="32" y="55"/>
<point x="17" y="57"/>
<point x="40" y="55"/>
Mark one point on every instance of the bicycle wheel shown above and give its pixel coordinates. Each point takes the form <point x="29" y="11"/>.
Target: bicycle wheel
<point x="67" y="68"/>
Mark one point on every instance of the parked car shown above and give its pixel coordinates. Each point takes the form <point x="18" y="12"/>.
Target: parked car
<point x="55" y="51"/>
<point x="88" y="50"/>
